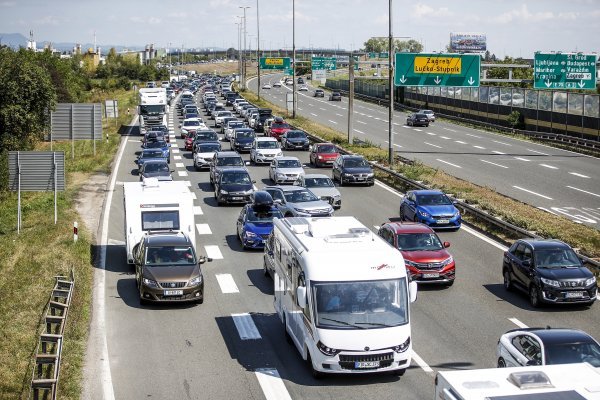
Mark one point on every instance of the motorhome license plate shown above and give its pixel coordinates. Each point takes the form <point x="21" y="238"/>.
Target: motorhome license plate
<point x="443" y="221"/>
<point x="574" y="295"/>
<point x="173" y="292"/>
<point x="431" y="275"/>
<point x="366" y="364"/>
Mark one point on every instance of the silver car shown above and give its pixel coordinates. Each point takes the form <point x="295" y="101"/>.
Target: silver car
<point x="296" y="201"/>
<point x="285" y="170"/>
<point x="430" y="114"/>
<point x="323" y="187"/>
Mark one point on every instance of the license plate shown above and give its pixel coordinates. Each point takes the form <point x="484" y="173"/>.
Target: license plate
<point x="366" y="364"/>
<point x="173" y="292"/>
<point x="360" y="179"/>
<point x="431" y="275"/>
<point x="443" y="221"/>
<point x="574" y="295"/>
<point x="236" y="198"/>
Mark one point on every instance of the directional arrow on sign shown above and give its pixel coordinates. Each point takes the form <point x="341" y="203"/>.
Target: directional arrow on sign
<point x="437" y="80"/>
<point x="548" y="83"/>
<point x="471" y="81"/>
<point x="402" y="79"/>
<point x="581" y="83"/>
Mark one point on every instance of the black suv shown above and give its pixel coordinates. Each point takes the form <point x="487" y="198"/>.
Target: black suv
<point x="167" y="268"/>
<point x="549" y="271"/>
<point x="234" y="186"/>
<point x="352" y="169"/>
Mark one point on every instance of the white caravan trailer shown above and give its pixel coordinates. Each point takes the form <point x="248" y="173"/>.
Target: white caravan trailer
<point x="157" y="206"/>
<point x="547" y="382"/>
<point x="342" y="294"/>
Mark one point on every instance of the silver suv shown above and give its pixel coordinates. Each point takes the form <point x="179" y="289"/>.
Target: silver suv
<point x="296" y="201"/>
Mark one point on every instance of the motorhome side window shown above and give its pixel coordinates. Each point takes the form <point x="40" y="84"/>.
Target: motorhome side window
<point x="160" y="220"/>
<point x="277" y="250"/>
<point x="302" y="282"/>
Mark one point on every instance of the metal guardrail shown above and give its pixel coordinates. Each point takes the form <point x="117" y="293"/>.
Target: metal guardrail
<point x="46" y="371"/>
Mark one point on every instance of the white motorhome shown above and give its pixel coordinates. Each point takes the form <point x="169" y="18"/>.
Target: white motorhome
<point x="342" y="294"/>
<point x="152" y="107"/>
<point x="547" y="382"/>
<point x="154" y="205"/>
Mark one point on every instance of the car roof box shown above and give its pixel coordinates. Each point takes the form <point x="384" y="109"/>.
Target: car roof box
<point x="262" y="199"/>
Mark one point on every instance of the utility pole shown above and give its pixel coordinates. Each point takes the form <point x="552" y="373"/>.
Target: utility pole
<point x="351" y="99"/>
<point x="244" y="51"/>
<point x="293" y="63"/>
<point x="258" y="48"/>
<point x="391" y="87"/>
<point x="239" y="55"/>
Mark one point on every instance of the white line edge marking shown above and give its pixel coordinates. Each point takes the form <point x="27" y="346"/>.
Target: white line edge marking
<point x="548" y="166"/>
<point x="484" y="238"/>
<point x="518" y="323"/>
<point x="434" y="145"/>
<point x="538" y="152"/>
<point x="449" y="163"/>
<point x="245" y="326"/>
<point x="498" y="152"/>
<point x="271" y="384"/>
<point x="499" y="142"/>
<point x="584" y="191"/>
<point x="226" y="283"/>
<point x="421" y="363"/>
<point x="529" y="191"/>
<point x="522" y="159"/>
<point x="497" y="165"/>
<point x="333" y="122"/>
<point x="479" y="147"/>
<point x="579" y="175"/>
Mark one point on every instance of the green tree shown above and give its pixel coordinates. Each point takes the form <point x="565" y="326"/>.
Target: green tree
<point x="410" y="46"/>
<point x="376" y="45"/>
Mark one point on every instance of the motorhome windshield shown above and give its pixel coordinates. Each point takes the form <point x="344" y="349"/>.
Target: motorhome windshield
<point x="160" y="220"/>
<point x="150" y="109"/>
<point x="360" y="304"/>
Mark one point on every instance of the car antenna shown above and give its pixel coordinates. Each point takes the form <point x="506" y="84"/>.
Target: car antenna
<point x="548" y="327"/>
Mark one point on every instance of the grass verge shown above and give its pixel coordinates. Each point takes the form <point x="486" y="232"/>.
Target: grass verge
<point x="582" y="237"/>
<point x="29" y="261"/>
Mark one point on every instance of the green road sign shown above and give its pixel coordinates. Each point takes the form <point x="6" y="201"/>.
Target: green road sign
<point x="384" y="55"/>
<point x="275" y="63"/>
<point x="564" y="71"/>
<point x="326" y="63"/>
<point x="421" y="69"/>
<point x="373" y="55"/>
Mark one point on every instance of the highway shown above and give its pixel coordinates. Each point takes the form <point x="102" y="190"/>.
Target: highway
<point x="559" y="181"/>
<point x="233" y="345"/>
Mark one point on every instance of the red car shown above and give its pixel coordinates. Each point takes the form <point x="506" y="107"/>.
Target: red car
<point x="425" y="256"/>
<point x="323" y="154"/>
<point x="189" y="140"/>
<point x="278" y="128"/>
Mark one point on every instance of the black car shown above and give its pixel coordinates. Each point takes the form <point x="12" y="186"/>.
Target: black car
<point x="242" y="139"/>
<point x="319" y="93"/>
<point x="158" y="169"/>
<point x="294" y="139"/>
<point x="234" y="185"/>
<point x="335" y="96"/>
<point x="417" y="119"/>
<point x="352" y="169"/>
<point x="549" y="271"/>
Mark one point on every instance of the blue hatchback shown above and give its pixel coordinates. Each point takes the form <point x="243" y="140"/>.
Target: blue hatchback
<point x="430" y="207"/>
<point x="255" y="224"/>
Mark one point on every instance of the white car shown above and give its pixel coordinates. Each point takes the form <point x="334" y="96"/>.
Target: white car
<point x="303" y="88"/>
<point x="230" y="129"/>
<point x="266" y="86"/>
<point x="277" y="84"/>
<point x="285" y="170"/>
<point x="264" y="150"/>
<point x="191" y="125"/>
<point x="204" y="154"/>
<point x="237" y="106"/>
<point x="289" y="82"/>
<point x="220" y="115"/>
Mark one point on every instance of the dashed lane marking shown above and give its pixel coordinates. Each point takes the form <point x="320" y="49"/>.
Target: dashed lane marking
<point x="198" y="210"/>
<point x="579" y="175"/>
<point x="179" y="165"/>
<point x="449" y="163"/>
<point x="245" y="326"/>
<point x="182" y="173"/>
<point x="271" y="384"/>
<point x="213" y="251"/>
<point x="203" y="229"/>
<point x="433" y="145"/>
<point x="548" y="166"/>
<point x="584" y="191"/>
<point x="226" y="283"/>
<point x="497" y="165"/>
<point x="534" y="193"/>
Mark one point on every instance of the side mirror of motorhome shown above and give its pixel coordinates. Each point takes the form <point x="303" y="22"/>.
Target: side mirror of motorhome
<point x="301" y="296"/>
<point x="412" y="289"/>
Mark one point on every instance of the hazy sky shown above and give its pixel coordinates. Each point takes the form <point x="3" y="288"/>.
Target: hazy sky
<point x="513" y="27"/>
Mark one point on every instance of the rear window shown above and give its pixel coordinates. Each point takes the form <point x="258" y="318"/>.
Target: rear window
<point x="160" y="220"/>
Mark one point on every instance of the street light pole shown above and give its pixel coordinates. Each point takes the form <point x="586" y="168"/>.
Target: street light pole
<point x="293" y="59"/>
<point x="244" y="52"/>
<point x="258" y="49"/>
<point x="391" y="87"/>
<point x="239" y="46"/>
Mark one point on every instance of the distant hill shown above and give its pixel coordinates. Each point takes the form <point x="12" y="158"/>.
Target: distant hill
<point x="16" y="40"/>
<point x="13" y="39"/>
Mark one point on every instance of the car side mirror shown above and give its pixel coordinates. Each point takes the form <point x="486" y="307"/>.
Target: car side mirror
<point x="248" y="163"/>
<point x="253" y="181"/>
<point x="532" y="363"/>
<point x="527" y="263"/>
<point x="412" y="290"/>
<point x="204" y="259"/>
<point x="446" y="244"/>
<point x="180" y="125"/>
<point x="172" y="171"/>
<point x="277" y="201"/>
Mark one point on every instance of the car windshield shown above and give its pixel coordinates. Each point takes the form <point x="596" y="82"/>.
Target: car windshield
<point x="571" y="353"/>
<point x="151" y="109"/>
<point x="360" y="304"/>
<point x="355" y="163"/>
<point x="191" y="115"/>
<point x="279" y="126"/>
<point x="209" y="147"/>
<point x="556" y="258"/>
<point x="152" y="154"/>
<point x="426" y="112"/>
<point x="433" y="200"/>
<point x="300" y="196"/>
<point x="267" y="145"/>
<point x="230" y="161"/>
<point x="326" y="149"/>
<point x="166" y="256"/>
<point x="236" y="124"/>
<point x="419" y="241"/>
<point x="263" y="215"/>
<point x="156" y="167"/>
<point x="318" y="182"/>
<point x="420" y="116"/>
<point x="156" y="144"/>
<point x="289" y="164"/>
<point x="236" y="178"/>
<point x="191" y="123"/>
<point x="207" y="136"/>
<point x="296" y="134"/>
<point x="244" y="134"/>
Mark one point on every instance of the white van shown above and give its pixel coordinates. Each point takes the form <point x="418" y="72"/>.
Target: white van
<point x="560" y="382"/>
<point x="342" y="294"/>
<point x="154" y="205"/>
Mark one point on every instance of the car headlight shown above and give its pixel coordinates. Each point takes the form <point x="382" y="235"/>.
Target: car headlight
<point x="346" y="174"/>
<point x="328" y="351"/>
<point x="424" y="214"/>
<point x="280" y="175"/>
<point x="250" y="234"/>
<point x="301" y="210"/>
<point x="447" y="261"/>
<point x="195" y="281"/>
<point x="280" y="154"/>
<point x="150" y="282"/>
<point x="550" y="282"/>
<point x="457" y="213"/>
<point x="401" y="348"/>
<point x="411" y="263"/>
<point x="590" y="281"/>
<point x="320" y="157"/>
<point x="183" y="130"/>
<point x="224" y="191"/>
<point x="370" y="175"/>
<point x="249" y="191"/>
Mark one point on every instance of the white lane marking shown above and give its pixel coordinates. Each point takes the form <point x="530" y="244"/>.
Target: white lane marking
<point x="497" y="165"/>
<point x="448" y="129"/>
<point x="521" y="158"/>
<point x="333" y="122"/>
<point x="203" y="229"/>
<point x="475" y="136"/>
<point x="498" y="152"/>
<point x="134" y="141"/>
<point x="460" y="141"/>
<point x="545" y="209"/>
<point x="271" y="384"/>
<point x="418" y="130"/>
<point x="397" y="145"/>
<point x="187" y="183"/>
<point x="212" y="251"/>
<point x="179" y="165"/>
<point x="174" y="145"/>
<point x="389" y="189"/>
<point x="395" y="123"/>
<point x="377" y="119"/>
<point x="245" y="326"/>
<point x="445" y="137"/>
<point x="376" y="227"/>
<point x="299" y="109"/>
<point x="312" y="105"/>
<point x="479" y="147"/>
<point x="548" y="166"/>
<point x="198" y="210"/>
<point x="499" y="142"/>
<point x="313" y="114"/>
<point x="356" y="130"/>
<point x="361" y="122"/>
<point x="406" y="127"/>
<point x="194" y="196"/>
<point x="584" y="191"/>
<point x="484" y="238"/>
<point x="431" y="133"/>
<point x="421" y="363"/>
<point x="322" y="109"/>
<point x="172" y="137"/>
<point x="449" y="163"/>
<point x="579" y="175"/>
<point x="537" y="194"/>
<point x="177" y="157"/>
<point x="518" y="323"/>
<point x="115" y="242"/>
<point x="433" y="145"/>
<point x="182" y="173"/>
<point x="537" y="152"/>
<point x="175" y="151"/>
<point x="227" y="283"/>
<point x="339" y="115"/>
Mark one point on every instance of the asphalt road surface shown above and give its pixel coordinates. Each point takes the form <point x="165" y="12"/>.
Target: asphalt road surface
<point x="559" y="181"/>
<point x="233" y="345"/>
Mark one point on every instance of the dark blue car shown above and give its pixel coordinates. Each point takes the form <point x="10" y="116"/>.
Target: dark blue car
<point x="430" y="207"/>
<point x="150" y="154"/>
<point x="255" y="224"/>
<point x="159" y="145"/>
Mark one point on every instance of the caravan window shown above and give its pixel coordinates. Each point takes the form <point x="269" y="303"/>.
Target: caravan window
<point x="160" y="220"/>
